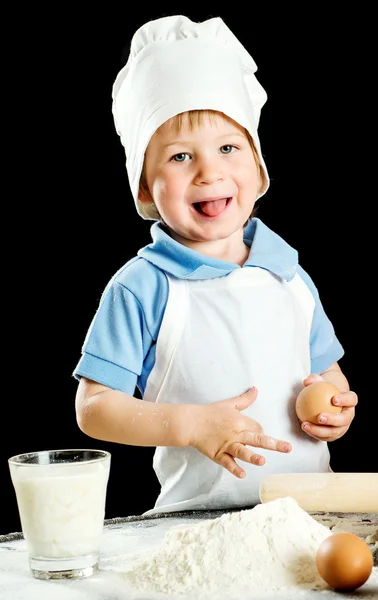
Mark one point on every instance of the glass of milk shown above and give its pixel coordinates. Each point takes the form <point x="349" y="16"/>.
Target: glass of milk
<point x="61" y="497"/>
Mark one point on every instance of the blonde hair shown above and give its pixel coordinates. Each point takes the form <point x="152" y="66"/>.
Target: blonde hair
<point x="195" y="119"/>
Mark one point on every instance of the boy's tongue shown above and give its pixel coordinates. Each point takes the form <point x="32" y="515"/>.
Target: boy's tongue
<point x="213" y="208"/>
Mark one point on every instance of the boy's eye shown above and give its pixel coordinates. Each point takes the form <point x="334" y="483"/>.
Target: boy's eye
<point x="227" y="149"/>
<point x="181" y="157"/>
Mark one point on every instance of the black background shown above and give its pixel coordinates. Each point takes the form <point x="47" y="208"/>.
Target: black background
<point x="69" y="221"/>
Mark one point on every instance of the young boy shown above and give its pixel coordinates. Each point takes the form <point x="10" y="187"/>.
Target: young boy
<point x="214" y="322"/>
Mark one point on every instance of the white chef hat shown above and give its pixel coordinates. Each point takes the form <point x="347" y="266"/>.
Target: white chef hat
<point x="176" y="65"/>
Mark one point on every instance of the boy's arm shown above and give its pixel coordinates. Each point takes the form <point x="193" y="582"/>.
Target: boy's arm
<point x="335" y="376"/>
<point x="114" y="416"/>
<point x="219" y="430"/>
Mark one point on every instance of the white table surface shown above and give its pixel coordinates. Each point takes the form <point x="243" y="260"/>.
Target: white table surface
<point x="123" y="538"/>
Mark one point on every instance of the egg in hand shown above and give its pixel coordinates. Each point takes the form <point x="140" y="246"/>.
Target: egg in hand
<point x="344" y="561"/>
<point x="314" y="399"/>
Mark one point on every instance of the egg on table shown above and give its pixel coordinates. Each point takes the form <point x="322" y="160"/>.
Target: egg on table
<point x="316" y="398"/>
<point x="344" y="561"/>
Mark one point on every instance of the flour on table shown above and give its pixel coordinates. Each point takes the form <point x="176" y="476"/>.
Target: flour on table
<point x="269" y="547"/>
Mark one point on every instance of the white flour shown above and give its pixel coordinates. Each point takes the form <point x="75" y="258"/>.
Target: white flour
<point x="267" y="548"/>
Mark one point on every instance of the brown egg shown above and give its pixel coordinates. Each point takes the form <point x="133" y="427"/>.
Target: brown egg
<point x="314" y="399"/>
<point x="344" y="561"/>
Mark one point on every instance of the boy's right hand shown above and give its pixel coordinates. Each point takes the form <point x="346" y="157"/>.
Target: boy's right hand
<point x="223" y="433"/>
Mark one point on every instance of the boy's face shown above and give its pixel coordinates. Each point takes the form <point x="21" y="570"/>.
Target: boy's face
<point x="203" y="179"/>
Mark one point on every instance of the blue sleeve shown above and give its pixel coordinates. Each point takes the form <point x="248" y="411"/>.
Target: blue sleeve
<point x="325" y="348"/>
<point x="118" y="350"/>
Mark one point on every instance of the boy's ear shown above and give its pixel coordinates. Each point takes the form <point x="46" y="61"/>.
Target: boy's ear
<point x="144" y="196"/>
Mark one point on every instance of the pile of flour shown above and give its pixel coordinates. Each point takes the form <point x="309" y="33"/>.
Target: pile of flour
<point x="269" y="547"/>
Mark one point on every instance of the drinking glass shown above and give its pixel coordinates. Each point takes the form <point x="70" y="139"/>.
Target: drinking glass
<point x="61" y="497"/>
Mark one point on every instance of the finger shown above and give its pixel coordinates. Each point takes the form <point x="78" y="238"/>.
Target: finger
<point x="324" y="433"/>
<point x="246" y="399"/>
<point x="242" y="452"/>
<point x="347" y="399"/>
<point x="312" y="378"/>
<point x="342" y="419"/>
<point x="260" y="440"/>
<point x="226" y="461"/>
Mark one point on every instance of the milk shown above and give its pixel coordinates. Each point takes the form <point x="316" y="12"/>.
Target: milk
<point x="62" y="508"/>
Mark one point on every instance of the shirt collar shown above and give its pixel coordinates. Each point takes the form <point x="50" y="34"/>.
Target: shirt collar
<point x="267" y="251"/>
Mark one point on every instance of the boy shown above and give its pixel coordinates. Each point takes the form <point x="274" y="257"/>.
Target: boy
<point x="215" y="322"/>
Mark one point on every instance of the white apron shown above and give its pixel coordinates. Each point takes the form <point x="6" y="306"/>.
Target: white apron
<point x="218" y="338"/>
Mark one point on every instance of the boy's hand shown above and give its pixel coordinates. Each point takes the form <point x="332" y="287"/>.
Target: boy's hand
<point x="223" y="433"/>
<point x="332" y="426"/>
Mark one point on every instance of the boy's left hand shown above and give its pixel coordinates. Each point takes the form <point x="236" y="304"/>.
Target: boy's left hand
<point x="331" y="427"/>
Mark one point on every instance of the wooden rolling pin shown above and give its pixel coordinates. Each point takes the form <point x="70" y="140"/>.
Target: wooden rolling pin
<point x="329" y="492"/>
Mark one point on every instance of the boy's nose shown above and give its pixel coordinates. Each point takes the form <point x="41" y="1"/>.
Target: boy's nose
<point x="209" y="171"/>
